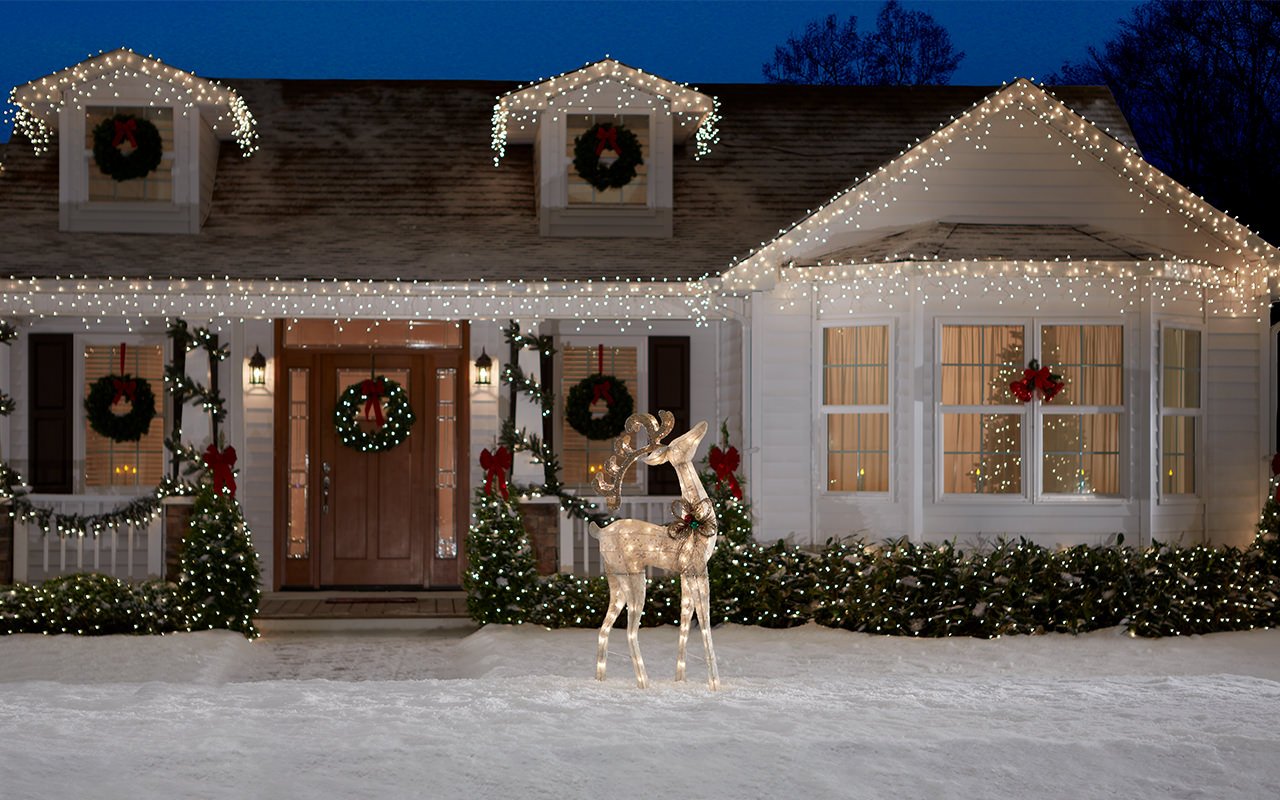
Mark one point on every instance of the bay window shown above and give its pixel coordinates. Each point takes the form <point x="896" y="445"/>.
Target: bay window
<point x="855" y="407"/>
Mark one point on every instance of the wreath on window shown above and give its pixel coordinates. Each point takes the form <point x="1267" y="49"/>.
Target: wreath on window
<point x="367" y="399"/>
<point x="126" y="146"/>
<point x="591" y="390"/>
<point x="588" y="148"/>
<point x="110" y="418"/>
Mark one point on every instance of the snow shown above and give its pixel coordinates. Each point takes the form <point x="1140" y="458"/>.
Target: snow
<point x="515" y="712"/>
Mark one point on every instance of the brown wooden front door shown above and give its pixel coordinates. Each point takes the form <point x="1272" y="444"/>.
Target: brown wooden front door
<point x="393" y="518"/>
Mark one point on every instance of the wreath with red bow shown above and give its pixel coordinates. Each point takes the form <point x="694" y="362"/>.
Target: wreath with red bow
<point x="1036" y="378"/>
<point x="599" y="388"/>
<point x="126" y="147"/>
<point x="109" y="417"/>
<point x="590" y="146"/>
<point x="364" y="401"/>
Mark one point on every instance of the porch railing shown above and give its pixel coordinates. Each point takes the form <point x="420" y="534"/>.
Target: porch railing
<point x="129" y="552"/>
<point x="580" y="552"/>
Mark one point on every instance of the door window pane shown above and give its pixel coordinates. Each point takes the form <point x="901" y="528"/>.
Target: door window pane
<point x="982" y="453"/>
<point x="446" y="462"/>
<point x="299" y="463"/>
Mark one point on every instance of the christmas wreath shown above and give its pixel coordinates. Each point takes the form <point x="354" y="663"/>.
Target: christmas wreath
<point x="125" y="146"/>
<point x="588" y="148"/>
<point x="365" y="399"/>
<point x="104" y="396"/>
<point x="589" y="391"/>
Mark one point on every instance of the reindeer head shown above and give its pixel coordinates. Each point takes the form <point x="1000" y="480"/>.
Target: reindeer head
<point x="681" y="450"/>
<point x="609" y="480"/>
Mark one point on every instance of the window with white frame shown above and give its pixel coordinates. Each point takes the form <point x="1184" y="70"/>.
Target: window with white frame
<point x="157" y="185"/>
<point x="855" y="407"/>
<point x="993" y="444"/>
<point x="1180" y="409"/>
<point x="109" y="464"/>
<point x="582" y="194"/>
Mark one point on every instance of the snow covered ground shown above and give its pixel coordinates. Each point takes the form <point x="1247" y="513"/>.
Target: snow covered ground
<point x="515" y="713"/>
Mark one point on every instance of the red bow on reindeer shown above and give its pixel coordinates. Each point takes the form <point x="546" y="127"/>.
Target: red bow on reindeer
<point x="606" y="137"/>
<point x="496" y="466"/>
<point x="125" y="129"/>
<point x="221" y="464"/>
<point x="373" y="390"/>
<point x="725" y="463"/>
<point x="1036" y="378"/>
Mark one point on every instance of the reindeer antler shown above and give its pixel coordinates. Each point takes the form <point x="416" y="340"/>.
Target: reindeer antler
<point x="609" y="480"/>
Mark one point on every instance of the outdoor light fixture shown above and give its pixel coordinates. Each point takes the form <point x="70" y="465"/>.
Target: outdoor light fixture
<point x="257" y="368"/>
<point x="484" y="369"/>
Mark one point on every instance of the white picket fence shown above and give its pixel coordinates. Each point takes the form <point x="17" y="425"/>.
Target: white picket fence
<point x="129" y="553"/>
<point x="580" y="552"/>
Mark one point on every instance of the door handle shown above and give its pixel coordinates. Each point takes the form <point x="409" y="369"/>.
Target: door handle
<point x="324" y="488"/>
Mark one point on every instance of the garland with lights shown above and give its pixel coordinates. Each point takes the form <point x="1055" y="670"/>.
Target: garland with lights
<point x="590" y="146"/>
<point x="145" y="147"/>
<point x="367" y="397"/>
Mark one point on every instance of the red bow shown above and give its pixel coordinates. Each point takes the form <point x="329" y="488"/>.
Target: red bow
<point x="1275" y="464"/>
<point x="600" y="391"/>
<point x="496" y="465"/>
<point x="606" y="137"/>
<point x="1046" y="384"/>
<point x="1036" y="377"/>
<point x="126" y="129"/>
<point x="373" y="390"/>
<point x="124" y="389"/>
<point x="725" y="463"/>
<point x="221" y="464"/>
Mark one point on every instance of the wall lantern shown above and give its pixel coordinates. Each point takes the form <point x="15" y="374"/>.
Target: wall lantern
<point x="484" y="369"/>
<point x="257" y="368"/>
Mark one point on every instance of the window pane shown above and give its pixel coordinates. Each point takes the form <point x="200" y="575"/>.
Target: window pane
<point x="979" y="362"/>
<point x="446" y="462"/>
<point x="858" y="452"/>
<point x="855" y="365"/>
<point x="108" y="463"/>
<point x="1090" y="359"/>
<point x="982" y="453"/>
<point x="298" y="522"/>
<point x="1178" y="454"/>
<point x="1082" y="454"/>
<point x="1180" y="354"/>
<point x="582" y="457"/>
<point x="636" y="192"/>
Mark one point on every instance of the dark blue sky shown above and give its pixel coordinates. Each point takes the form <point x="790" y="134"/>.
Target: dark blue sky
<point x="703" y="42"/>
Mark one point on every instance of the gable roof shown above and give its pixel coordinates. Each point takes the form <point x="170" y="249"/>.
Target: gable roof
<point x="808" y="237"/>
<point x="394" y="180"/>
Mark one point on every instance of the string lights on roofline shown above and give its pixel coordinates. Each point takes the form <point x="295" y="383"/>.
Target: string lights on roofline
<point x="631" y="88"/>
<point x="36" y="105"/>
<point x="875" y="192"/>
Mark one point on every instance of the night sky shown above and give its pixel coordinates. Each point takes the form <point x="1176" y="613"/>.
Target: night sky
<point x="705" y="42"/>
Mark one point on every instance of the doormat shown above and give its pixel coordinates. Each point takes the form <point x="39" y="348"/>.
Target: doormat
<point x="368" y="600"/>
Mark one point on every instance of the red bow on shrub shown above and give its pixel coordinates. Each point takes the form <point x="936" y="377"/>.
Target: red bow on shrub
<point x="373" y="390"/>
<point x="221" y="464"/>
<point x="600" y="391"/>
<point x="124" y="390"/>
<point x="126" y="129"/>
<point x="725" y="463"/>
<point x="1036" y="378"/>
<point x="496" y="465"/>
<point x="606" y="137"/>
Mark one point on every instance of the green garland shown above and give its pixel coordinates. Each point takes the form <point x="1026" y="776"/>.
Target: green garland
<point x="138" y="162"/>
<point x="120" y="427"/>
<point x="396" y="427"/>
<point x="588" y="148"/>
<point x="577" y="407"/>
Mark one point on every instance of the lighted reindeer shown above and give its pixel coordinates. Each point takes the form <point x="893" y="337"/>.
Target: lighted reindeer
<point x="685" y="545"/>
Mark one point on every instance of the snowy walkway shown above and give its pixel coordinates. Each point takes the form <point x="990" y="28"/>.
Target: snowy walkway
<point x="513" y="713"/>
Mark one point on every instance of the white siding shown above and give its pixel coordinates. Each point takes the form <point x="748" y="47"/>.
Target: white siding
<point x="1236" y="446"/>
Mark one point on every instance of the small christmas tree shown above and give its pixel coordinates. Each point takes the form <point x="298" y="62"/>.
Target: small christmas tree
<point x="502" y="578"/>
<point x="219" y="566"/>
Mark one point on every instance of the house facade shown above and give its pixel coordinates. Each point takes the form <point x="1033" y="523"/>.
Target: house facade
<point x="849" y="278"/>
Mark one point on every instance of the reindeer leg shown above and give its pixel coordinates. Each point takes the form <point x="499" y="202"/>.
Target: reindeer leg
<point x="686" y="617"/>
<point x="617" y="599"/>
<point x="703" y="598"/>
<point x="635" y="609"/>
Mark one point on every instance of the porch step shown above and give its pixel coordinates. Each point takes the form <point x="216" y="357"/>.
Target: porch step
<point x="362" y="605"/>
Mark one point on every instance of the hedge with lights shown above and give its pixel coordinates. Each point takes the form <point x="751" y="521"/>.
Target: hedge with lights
<point x="364" y="397"/>
<point x="91" y="605"/>
<point x="145" y="147"/>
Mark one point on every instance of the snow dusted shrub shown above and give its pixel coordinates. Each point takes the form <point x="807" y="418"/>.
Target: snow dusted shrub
<point x="219" y="580"/>
<point x="502" y="576"/>
<point x="91" y="605"/>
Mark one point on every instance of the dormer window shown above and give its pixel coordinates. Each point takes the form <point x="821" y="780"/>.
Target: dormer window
<point x="157" y="184"/>
<point x="581" y="194"/>
<point x="552" y="114"/>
